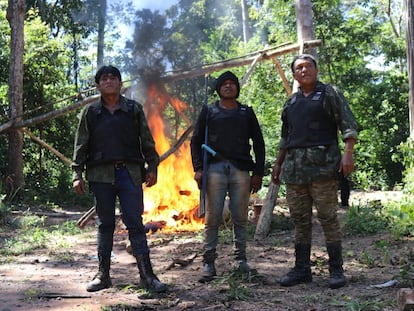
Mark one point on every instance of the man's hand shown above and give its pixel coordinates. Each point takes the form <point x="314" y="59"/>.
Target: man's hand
<point x="256" y="183"/>
<point x="79" y="186"/>
<point x="150" y="179"/>
<point x="347" y="163"/>
<point x="276" y="173"/>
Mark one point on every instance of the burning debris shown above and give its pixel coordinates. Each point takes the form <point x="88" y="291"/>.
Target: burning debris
<point x="174" y="200"/>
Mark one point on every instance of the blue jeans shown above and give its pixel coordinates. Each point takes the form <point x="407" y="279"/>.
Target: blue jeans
<point x="132" y="206"/>
<point x="224" y="179"/>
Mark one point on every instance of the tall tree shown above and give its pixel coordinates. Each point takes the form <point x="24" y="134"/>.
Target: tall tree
<point x="15" y="15"/>
<point x="409" y="6"/>
<point x="245" y="18"/>
<point x="304" y="26"/>
<point x="101" y="31"/>
<point x="304" y="21"/>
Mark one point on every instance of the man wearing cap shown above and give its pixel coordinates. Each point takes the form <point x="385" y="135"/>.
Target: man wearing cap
<point x="230" y="127"/>
<point x="309" y="162"/>
<point x="114" y="144"/>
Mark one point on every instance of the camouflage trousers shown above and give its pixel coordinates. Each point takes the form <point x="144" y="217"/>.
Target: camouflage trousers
<point x="322" y="195"/>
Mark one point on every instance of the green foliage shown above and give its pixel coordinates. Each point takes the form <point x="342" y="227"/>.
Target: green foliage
<point x="363" y="53"/>
<point x="367" y="219"/>
<point x="401" y="215"/>
<point x="406" y="157"/>
<point x="225" y="236"/>
<point x="361" y="304"/>
<point x="235" y="289"/>
<point x="395" y="216"/>
<point x="34" y="234"/>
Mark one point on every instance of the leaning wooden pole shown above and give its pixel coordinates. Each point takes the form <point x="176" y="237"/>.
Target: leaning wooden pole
<point x="266" y="54"/>
<point x="47" y="146"/>
<point x="266" y="214"/>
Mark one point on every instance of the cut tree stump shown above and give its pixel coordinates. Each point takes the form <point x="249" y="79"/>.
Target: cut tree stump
<point x="266" y="214"/>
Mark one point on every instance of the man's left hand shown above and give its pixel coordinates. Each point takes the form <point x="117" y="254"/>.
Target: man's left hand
<point x="256" y="183"/>
<point x="150" y="179"/>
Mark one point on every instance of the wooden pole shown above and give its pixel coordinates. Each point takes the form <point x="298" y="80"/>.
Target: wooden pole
<point x="266" y="214"/>
<point x="47" y="146"/>
<point x="283" y="76"/>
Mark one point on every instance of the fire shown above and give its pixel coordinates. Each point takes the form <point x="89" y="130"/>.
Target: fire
<point x="173" y="201"/>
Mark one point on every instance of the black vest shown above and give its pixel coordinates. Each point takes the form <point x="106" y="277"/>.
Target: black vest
<point x="229" y="132"/>
<point x="309" y="122"/>
<point x="113" y="137"/>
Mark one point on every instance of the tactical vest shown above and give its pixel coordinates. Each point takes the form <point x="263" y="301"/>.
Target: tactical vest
<point x="309" y="122"/>
<point x="229" y="131"/>
<point x="113" y="137"/>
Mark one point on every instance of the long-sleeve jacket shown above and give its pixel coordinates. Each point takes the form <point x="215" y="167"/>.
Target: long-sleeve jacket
<point x="229" y="134"/>
<point x="99" y="129"/>
<point x="307" y="127"/>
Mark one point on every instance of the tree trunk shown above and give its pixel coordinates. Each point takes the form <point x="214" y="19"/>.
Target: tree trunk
<point x="410" y="61"/>
<point x="245" y="18"/>
<point x="304" y="22"/>
<point x="304" y="28"/>
<point x="15" y="15"/>
<point x="101" y="31"/>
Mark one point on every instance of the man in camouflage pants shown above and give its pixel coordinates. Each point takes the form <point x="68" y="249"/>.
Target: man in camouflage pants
<point x="312" y="161"/>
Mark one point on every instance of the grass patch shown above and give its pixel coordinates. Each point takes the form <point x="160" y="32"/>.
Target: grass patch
<point x="368" y="219"/>
<point x="31" y="233"/>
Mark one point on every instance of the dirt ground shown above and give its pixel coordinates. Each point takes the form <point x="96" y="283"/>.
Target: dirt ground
<point x="43" y="281"/>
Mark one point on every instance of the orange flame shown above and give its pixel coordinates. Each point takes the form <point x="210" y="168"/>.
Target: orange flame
<point x="173" y="201"/>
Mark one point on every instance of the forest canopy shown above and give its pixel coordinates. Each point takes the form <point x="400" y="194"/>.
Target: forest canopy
<point x="362" y="52"/>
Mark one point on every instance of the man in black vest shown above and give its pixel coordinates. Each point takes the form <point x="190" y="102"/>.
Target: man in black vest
<point x="229" y="126"/>
<point x="309" y="162"/>
<point x="113" y="143"/>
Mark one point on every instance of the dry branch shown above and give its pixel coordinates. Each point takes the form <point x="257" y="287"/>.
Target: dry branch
<point x="283" y="76"/>
<point x="47" y="146"/>
<point x="85" y="218"/>
<point x="181" y="262"/>
<point x="267" y="54"/>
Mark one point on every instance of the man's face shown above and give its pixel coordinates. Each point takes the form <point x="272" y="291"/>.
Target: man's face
<point x="305" y="72"/>
<point x="228" y="90"/>
<point x="109" y="85"/>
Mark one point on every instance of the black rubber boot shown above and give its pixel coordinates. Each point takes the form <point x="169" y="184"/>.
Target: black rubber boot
<point x="336" y="272"/>
<point x="209" y="272"/>
<point x="301" y="273"/>
<point x="102" y="279"/>
<point x="148" y="279"/>
<point x="209" y="269"/>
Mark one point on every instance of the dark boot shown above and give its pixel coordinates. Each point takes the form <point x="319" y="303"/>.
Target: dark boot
<point x="209" y="272"/>
<point x="336" y="272"/>
<point x="148" y="279"/>
<point x="209" y="269"/>
<point x="102" y="279"/>
<point x="301" y="273"/>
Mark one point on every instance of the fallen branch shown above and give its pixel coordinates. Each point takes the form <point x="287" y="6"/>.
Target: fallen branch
<point x="181" y="262"/>
<point x="85" y="218"/>
<point x="62" y="295"/>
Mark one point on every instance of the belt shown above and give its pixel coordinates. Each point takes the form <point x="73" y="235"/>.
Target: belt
<point x="119" y="164"/>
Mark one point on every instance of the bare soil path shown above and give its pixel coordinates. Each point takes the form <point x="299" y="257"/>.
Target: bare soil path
<point x="45" y="281"/>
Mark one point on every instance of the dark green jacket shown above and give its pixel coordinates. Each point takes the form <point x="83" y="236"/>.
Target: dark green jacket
<point x="105" y="172"/>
